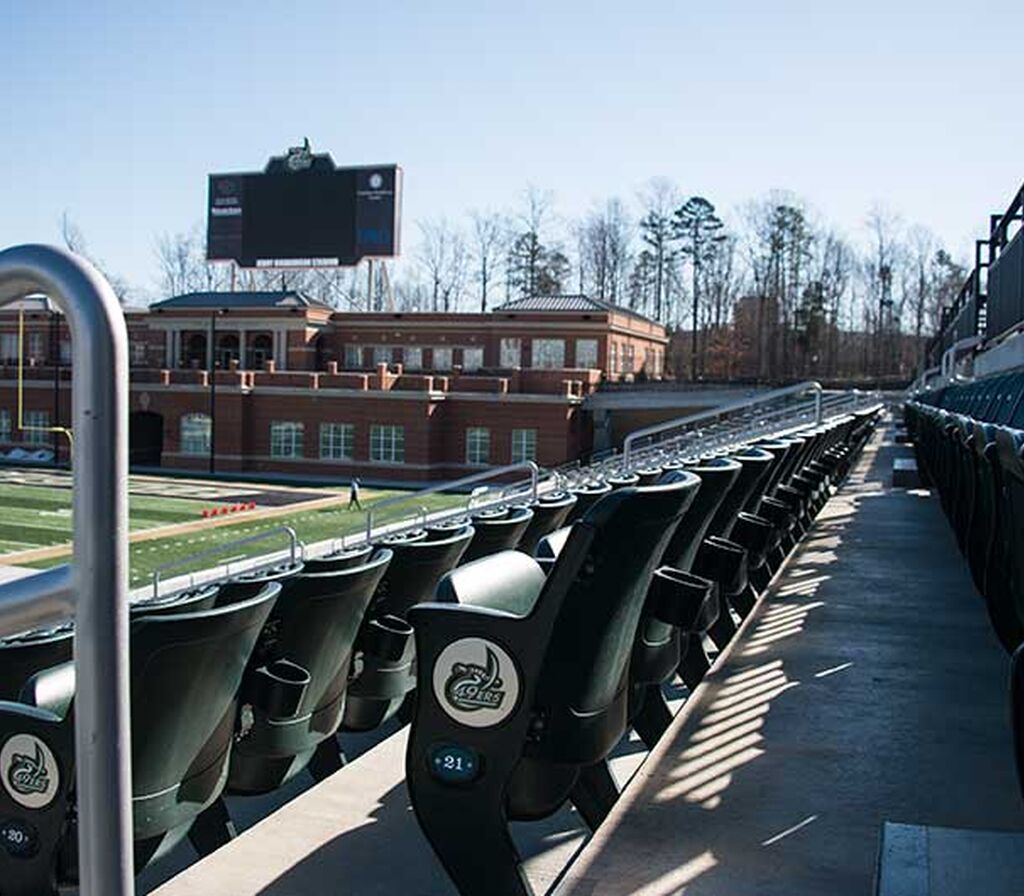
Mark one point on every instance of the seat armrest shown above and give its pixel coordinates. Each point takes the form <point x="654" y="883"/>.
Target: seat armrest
<point x="508" y="581"/>
<point x="52" y="689"/>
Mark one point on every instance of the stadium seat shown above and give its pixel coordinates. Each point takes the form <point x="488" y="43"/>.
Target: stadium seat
<point x="24" y="654"/>
<point x="587" y="496"/>
<point x="293" y="693"/>
<point x="496" y="530"/>
<point x="523" y="684"/>
<point x="550" y="512"/>
<point x="383" y="673"/>
<point x="716" y="476"/>
<point x="185" y="673"/>
<point x="648" y="475"/>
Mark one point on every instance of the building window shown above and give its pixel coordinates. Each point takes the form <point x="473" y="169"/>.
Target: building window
<point x="353" y="357"/>
<point x="336" y="441"/>
<point x="549" y="353"/>
<point x="195" y="434"/>
<point x="524" y="445"/>
<point x="286" y="439"/>
<point x="442" y="359"/>
<point x="472" y="358"/>
<point x="381" y="354"/>
<point x="511" y="352"/>
<point x="65" y="351"/>
<point x="413" y="357"/>
<point x="586" y="353"/>
<point x="9" y="348"/>
<point x="613" y="361"/>
<point x="629" y="357"/>
<point x="478" y="445"/>
<point x="5" y="425"/>
<point x="138" y="352"/>
<point x="37" y="427"/>
<point x="35" y="346"/>
<point x="387" y="443"/>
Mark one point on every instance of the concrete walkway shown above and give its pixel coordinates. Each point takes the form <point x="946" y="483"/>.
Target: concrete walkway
<point x="866" y="687"/>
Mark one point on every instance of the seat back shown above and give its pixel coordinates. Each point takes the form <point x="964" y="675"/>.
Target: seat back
<point x="755" y="464"/>
<point x="24" y="654"/>
<point x="780" y="451"/>
<point x="295" y="682"/>
<point x="717" y="476"/>
<point x="416" y="566"/>
<point x="185" y="674"/>
<point x="596" y="592"/>
<point x="497" y="530"/>
<point x="343" y="559"/>
<point x="191" y="601"/>
<point x="1010" y="449"/>
<point x="586" y="497"/>
<point x="649" y="475"/>
<point x="656" y="649"/>
<point x="549" y="513"/>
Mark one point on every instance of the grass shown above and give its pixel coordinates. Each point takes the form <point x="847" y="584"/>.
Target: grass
<point x="34" y="516"/>
<point x="39" y="516"/>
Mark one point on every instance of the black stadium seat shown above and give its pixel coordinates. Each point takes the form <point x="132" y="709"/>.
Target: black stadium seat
<point x="186" y="669"/>
<point x="523" y="683"/>
<point x="550" y="512"/>
<point x="384" y="672"/>
<point x="587" y="496"/>
<point x="293" y="693"/>
<point x="497" y="530"/>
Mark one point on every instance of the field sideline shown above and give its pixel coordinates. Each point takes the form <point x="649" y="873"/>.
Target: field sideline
<point x="37" y="513"/>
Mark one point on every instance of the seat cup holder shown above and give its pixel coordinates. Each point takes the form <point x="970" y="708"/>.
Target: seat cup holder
<point x="280" y="687"/>
<point x="756" y="535"/>
<point x="386" y="638"/>
<point x="683" y="599"/>
<point x="723" y="561"/>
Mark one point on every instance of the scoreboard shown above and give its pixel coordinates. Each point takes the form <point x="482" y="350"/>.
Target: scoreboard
<point x="302" y="209"/>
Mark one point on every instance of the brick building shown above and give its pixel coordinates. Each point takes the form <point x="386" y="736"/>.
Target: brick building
<point x="277" y="383"/>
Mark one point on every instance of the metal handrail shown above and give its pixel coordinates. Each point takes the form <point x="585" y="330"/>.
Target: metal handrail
<point x="717" y="413"/>
<point x="95" y="588"/>
<point x="483" y="476"/>
<point x="293" y="551"/>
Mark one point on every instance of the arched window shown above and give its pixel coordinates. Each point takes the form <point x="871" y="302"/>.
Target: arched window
<point x="195" y="434"/>
<point x="194" y="354"/>
<point x="260" y="349"/>
<point x="227" y="350"/>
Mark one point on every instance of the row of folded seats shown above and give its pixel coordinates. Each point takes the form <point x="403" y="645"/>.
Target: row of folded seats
<point x="522" y="643"/>
<point x="969" y="442"/>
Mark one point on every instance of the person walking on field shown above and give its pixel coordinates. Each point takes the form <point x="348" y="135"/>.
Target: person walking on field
<point x="353" y="495"/>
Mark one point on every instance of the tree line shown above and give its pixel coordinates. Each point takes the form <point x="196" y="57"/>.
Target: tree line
<point x="671" y="256"/>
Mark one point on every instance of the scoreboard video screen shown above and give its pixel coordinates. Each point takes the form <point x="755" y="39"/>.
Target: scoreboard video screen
<point x="303" y="209"/>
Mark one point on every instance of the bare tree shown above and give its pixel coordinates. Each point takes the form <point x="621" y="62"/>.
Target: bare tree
<point x="442" y="254"/>
<point x="604" y="240"/>
<point x="490" y="239"/>
<point x="74" y="240"/>
<point x="881" y="271"/>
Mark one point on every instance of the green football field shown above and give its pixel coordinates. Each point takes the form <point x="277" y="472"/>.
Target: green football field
<point x="36" y="516"/>
<point x="36" y="512"/>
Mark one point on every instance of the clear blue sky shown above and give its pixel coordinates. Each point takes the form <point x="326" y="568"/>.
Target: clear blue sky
<point x="117" y="111"/>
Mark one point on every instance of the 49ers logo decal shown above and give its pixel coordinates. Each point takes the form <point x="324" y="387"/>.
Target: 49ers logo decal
<point x="476" y="682"/>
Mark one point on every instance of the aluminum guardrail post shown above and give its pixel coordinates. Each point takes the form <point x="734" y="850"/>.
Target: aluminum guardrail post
<point x="99" y="575"/>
